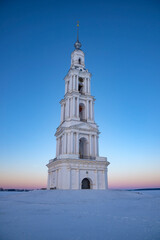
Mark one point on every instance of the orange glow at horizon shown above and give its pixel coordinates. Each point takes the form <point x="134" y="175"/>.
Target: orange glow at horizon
<point x="39" y="182"/>
<point x="116" y="179"/>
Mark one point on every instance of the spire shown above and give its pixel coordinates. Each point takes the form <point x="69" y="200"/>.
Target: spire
<point x="77" y="44"/>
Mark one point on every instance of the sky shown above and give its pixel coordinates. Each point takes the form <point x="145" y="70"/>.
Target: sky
<point x="121" y="42"/>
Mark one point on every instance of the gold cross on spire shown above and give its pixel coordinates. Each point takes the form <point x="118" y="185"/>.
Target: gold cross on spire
<point x="77" y="43"/>
<point x="77" y="30"/>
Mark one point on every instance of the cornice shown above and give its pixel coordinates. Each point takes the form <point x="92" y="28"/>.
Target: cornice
<point x="77" y="161"/>
<point x="77" y="71"/>
<point x="82" y="130"/>
<point x="81" y="96"/>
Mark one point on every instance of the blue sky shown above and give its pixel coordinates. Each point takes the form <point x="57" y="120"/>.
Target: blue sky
<point x="122" y="51"/>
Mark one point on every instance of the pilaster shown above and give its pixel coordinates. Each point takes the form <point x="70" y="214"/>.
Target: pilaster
<point x="90" y="145"/>
<point x="95" y="145"/>
<point x="77" y="143"/>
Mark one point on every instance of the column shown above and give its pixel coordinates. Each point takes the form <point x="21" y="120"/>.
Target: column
<point x="97" y="180"/>
<point x="77" y="143"/>
<point x="87" y="85"/>
<point x="56" y="147"/>
<point x="71" y="139"/>
<point x="60" y="145"/>
<point x="67" y="108"/>
<point x="73" y="106"/>
<point x="74" y="143"/>
<point x="74" y="83"/>
<point x="65" y="87"/>
<point x="86" y="114"/>
<point x="95" y="145"/>
<point x="69" y="144"/>
<point x="91" y="109"/>
<point x="57" y="183"/>
<point x="87" y="109"/>
<point x="64" y="144"/>
<point x="89" y="91"/>
<point x="64" y="112"/>
<point x="70" y="107"/>
<point x="84" y="85"/>
<point x="77" y="107"/>
<point x="70" y="84"/>
<point x="90" y="145"/>
<point x="61" y="113"/>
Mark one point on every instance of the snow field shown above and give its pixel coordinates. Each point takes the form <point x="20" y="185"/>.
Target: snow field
<point x="80" y="215"/>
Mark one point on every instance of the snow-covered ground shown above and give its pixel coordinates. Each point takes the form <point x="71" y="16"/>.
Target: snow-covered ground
<point x="80" y="214"/>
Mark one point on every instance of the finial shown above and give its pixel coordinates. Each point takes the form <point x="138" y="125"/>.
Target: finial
<point x="77" y="43"/>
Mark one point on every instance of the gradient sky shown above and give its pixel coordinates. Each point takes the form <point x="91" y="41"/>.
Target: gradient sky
<point x="121" y="41"/>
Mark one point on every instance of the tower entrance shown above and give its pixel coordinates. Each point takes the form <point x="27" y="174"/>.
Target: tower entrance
<point x="85" y="184"/>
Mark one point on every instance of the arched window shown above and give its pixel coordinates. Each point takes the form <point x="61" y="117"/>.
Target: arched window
<point x="82" y="112"/>
<point x="83" y="148"/>
<point x="79" y="61"/>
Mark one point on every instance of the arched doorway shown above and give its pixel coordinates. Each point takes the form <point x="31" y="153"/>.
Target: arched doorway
<point x="83" y="147"/>
<point x="85" y="184"/>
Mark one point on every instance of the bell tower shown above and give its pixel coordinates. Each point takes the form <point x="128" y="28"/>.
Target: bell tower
<point x="77" y="164"/>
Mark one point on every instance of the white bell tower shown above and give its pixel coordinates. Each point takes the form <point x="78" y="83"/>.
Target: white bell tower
<point x="77" y="164"/>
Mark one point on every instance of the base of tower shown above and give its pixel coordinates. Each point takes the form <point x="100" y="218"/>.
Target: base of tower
<point x="77" y="174"/>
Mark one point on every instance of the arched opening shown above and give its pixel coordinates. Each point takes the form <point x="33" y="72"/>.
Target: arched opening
<point x="82" y="112"/>
<point x="80" y="85"/>
<point x="85" y="184"/>
<point x="79" y="61"/>
<point x="83" y="148"/>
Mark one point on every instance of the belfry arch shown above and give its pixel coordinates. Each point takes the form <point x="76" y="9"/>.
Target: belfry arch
<point x="82" y="112"/>
<point x="83" y="148"/>
<point x="80" y="85"/>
